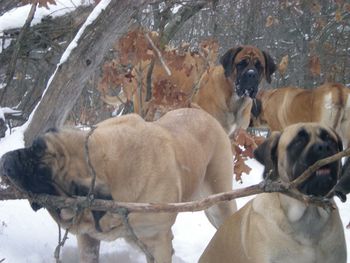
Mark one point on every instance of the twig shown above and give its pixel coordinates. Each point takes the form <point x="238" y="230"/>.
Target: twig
<point x="60" y="243"/>
<point x="12" y="65"/>
<point x="124" y="214"/>
<point x="167" y="70"/>
<point x="310" y="170"/>
<point x="90" y="195"/>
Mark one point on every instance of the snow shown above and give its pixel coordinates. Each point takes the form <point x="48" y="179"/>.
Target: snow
<point x="16" y="17"/>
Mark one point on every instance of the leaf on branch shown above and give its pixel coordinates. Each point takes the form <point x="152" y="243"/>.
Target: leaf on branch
<point x="243" y="145"/>
<point x="338" y="15"/>
<point x="269" y="21"/>
<point x="315" y="7"/>
<point x="134" y="47"/>
<point x="315" y="65"/>
<point x="282" y="66"/>
<point x="210" y="50"/>
<point x="347" y="7"/>
<point x="42" y="3"/>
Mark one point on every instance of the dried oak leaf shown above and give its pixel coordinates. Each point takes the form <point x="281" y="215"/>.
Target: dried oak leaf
<point x="133" y="47"/>
<point x="269" y="21"/>
<point x="315" y="65"/>
<point x="244" y="145"/>
<point x="282" y="66"/>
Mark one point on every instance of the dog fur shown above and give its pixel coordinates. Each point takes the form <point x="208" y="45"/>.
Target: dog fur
<point x="276" y="228"/>
<point x="328" y="104"/>
<point x="183" y="156"/>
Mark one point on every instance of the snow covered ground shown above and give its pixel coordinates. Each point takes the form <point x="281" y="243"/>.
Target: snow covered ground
<point x="31" y="237"/>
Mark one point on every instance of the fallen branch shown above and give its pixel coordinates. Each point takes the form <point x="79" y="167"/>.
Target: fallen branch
<point x="268" y="186"/>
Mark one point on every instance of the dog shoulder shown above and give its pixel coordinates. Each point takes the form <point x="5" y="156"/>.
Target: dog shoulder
<point x="125" y="119"/>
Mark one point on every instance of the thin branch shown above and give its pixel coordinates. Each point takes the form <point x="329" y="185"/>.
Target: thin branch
<point x="159" y="54"/>
<point x="12" y="65"/>
<point x="90" y="195"/>
<point x="125" y="218"/>
<point x="61" y="242"/>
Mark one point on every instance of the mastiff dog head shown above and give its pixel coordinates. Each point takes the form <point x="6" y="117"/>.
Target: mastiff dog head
<point x="290" y="153"/>
<point x="247" y="66"/>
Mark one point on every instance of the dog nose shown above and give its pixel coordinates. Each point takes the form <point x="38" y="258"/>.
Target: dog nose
<point x="251" y="73"/>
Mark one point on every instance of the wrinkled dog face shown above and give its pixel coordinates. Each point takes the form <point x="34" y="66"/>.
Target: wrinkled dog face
<point x="25" y="169"/>
<point x="247" y="65"/>
<point x="299" y="146"/>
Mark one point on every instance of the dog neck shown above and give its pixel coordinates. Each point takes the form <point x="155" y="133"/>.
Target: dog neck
<point x="306" y="220"/>
<point x="237" y="115"/>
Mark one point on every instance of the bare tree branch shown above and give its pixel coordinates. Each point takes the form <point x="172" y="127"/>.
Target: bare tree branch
<point x="12" y="65"/>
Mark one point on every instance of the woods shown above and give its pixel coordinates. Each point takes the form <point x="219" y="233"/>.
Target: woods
<point x="106" y="58"/>
<point x="307" y="38"/>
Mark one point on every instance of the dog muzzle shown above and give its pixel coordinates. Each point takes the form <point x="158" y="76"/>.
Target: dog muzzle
<point x="247" y="84"/>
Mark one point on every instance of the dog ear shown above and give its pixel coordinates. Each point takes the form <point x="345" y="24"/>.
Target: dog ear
<point x="38" y="147"/>
<point x="227" y="60"/>
<point x="340" y="143"/>
<point x="270" y="67"/>
<point x="266" y="154"/>
<point x="343" y="186"/>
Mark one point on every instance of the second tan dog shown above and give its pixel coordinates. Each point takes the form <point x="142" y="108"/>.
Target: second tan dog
<point x="183" y="156"/>
<point x="225" y="91"/>
<point x="328" y="104"/>
<point x="276" y="228"/>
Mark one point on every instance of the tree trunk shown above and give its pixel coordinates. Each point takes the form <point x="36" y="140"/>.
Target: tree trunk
<point x="85" y="59"/>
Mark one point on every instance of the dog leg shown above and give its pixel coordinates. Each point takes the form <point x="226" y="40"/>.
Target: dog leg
<point x="160" y="247"/>
<point x="89" y="249"/>
<point x="218" y="179"/>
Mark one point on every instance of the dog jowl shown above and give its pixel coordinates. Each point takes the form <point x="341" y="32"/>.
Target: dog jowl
<point x="24" y="167"/>
<point x="247" y="66"/>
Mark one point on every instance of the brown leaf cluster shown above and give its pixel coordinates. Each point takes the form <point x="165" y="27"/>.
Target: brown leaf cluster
<point x="137" y="51"/>
<point x="41" y="3"/>
<point x="243" y="145"/>
<point x="134" y="47"/>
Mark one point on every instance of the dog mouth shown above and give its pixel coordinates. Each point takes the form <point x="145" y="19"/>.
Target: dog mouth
<point x="321" y="182"/>
<point x="246" y="90"/>
<point x="324" y="171"/>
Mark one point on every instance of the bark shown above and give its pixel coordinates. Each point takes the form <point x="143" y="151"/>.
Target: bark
<point x="85" y="59"/>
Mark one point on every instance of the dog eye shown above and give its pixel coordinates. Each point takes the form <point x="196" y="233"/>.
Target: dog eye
<point x="326" y="137"/>
<point x="257" y="64"/>
<point x="242" y="64"/>
<point x="301" y="139"/>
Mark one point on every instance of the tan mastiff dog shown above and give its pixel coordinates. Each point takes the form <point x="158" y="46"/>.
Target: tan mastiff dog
<point x="276" y="228"/>
<point x="226" y="91"/>
<point x="328" y="104"/>
<point x="183" y="156"/>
